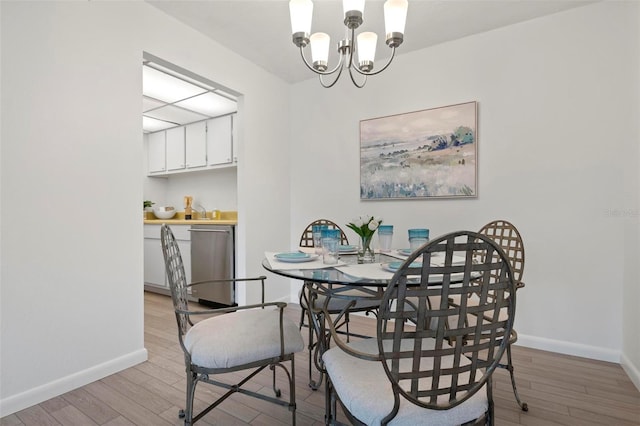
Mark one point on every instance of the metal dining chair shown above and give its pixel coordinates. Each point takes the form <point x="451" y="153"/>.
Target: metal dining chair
<point x="507" y="236"/>
<point x="234" y="339"/>
<point x="427" y="365"/>
<point x="510" y="241"/>
<point x="335" y="306"/>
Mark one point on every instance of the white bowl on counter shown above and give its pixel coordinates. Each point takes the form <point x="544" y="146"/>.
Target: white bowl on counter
<point x="166" y="212"/>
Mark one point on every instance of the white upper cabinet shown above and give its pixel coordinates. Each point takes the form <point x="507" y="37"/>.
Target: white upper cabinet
<point x="175" y="149"/>
<point x="188" y="119"/>
<point x="219" y="141"/>
<point x="234" y="137"/>
<point x="202" y="145"/>
<point x="196" y="145"/>
<point x="156" y="152"/>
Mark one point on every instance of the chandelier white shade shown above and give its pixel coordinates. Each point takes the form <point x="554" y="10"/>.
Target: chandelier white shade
<point x="301" y="11"/>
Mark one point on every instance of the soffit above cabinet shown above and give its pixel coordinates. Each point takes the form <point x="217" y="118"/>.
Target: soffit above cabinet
<point x="171" y="98"/>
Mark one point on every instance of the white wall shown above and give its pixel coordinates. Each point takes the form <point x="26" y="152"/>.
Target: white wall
<point x="214" y="189"/>
<point x="555" y="144"/>
<point x="631" y="292"/>
<point x="71" y="150"/>
<point x="557" y="138"/>
<point x="67" y="170"/>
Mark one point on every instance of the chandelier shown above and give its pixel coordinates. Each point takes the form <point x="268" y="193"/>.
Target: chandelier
<point x="301" y="11"/>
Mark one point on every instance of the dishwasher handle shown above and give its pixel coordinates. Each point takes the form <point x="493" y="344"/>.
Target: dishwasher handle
<point x="226" y="231"/>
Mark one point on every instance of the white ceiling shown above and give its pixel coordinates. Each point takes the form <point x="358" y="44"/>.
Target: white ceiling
<point x="171" y="98"/>
<point x="260" y="30"/>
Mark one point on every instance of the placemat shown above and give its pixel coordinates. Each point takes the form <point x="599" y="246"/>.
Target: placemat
<point x="312" y="264"/>
<point x="366" y="270"/>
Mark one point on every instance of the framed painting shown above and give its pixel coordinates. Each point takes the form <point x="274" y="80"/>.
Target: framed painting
<point x="423" y="154"/>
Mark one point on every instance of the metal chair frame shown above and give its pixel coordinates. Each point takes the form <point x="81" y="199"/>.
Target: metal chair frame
<point x="195" y="374"/>
<point x="507" y="236"/>
<point x="306" y="240"/>
<point x="405" y="315"/>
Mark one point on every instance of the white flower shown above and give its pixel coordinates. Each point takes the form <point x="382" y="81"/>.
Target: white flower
<point x="358" y="222"/>
<point x="373" y="225"/>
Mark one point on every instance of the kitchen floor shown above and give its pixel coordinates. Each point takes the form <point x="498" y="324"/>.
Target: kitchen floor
<point x="560" y="389"/>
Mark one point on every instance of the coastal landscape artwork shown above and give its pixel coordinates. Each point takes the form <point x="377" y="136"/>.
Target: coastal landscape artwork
<point x="423" y="154"/>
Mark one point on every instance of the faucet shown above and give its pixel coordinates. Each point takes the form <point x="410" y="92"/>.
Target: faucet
<point x="203" y="212"/>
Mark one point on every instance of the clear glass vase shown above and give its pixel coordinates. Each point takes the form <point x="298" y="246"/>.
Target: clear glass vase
<point x="365" y="251"/>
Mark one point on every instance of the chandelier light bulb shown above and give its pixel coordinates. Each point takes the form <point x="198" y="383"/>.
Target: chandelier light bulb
<point x="395" y="17"/>
<point x="366" y="50"/>
<point x="320" y="50"/>
<point x="301" y="13"/>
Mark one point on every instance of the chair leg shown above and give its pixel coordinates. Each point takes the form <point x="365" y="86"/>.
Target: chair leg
<point x="292" y="392"/>
<point x="313" y="384"/>
<point x="276" y="390"/>
<point x="330" y="403"/>
<point x="523" y="405"/>
<point x="291" y="376"/>
<point x="187" y="413"/>
<point x="346" y="322"/>
<point x="303" y="312"/>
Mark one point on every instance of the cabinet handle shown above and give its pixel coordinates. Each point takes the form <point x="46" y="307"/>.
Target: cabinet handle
<point x="209" y="230"/>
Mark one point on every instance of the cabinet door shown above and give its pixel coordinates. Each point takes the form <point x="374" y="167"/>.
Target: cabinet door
<point x="219" y="140"/>
<point x="175" y="148"/>
<point x="154" y="263"/>
<point x="183" y="238"/>
<point x="234" y="137"/>
<point x="185" y="251"/>
<point x="154" y="269"/>
<point x="156" y="152"/>
<point x="196" y="145"/>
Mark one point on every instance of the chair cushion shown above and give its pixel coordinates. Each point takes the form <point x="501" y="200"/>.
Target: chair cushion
<point x="365" y="391"/>
<point x="241" y="337"/>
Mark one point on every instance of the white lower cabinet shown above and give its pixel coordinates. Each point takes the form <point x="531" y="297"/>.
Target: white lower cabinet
<point x="154" y="263"/>
<point x="155" y="276"/>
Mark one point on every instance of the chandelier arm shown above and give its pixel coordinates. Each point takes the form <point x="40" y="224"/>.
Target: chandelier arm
<point x="337" y="67"/>
<point x="326" y="86"/>
<point x="393" y="54"/>
<point x="352" y="50"/>
<point x="353" y="80"/>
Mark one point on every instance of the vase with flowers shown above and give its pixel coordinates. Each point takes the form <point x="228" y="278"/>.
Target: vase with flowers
<point x="365" y="226"/>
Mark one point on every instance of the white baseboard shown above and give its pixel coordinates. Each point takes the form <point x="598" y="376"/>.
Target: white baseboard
<point x="569" y="348"/>
<point x="632" y="371"/>
<point x="559" y="346"/>
<point x="52" y="389"/>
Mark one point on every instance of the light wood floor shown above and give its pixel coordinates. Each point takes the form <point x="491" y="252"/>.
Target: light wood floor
<point x="559" y="389"/>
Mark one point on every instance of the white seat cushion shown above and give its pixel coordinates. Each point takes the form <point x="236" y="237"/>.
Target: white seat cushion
<point x="241" y="337"/>
<point x="365" y="391"/>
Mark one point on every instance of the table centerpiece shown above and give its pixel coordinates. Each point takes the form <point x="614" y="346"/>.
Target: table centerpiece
<point x="365" y="226"/>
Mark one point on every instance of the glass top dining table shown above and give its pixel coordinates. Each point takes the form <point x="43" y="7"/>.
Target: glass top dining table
<point x="338" y="274"/>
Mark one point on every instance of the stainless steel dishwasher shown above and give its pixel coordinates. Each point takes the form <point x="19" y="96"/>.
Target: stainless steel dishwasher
<point x="213" y="258"/>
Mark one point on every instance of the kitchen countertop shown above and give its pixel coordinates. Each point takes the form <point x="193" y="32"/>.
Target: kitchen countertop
<point x="191" y="221"/>
<point x="225" y="218"/>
